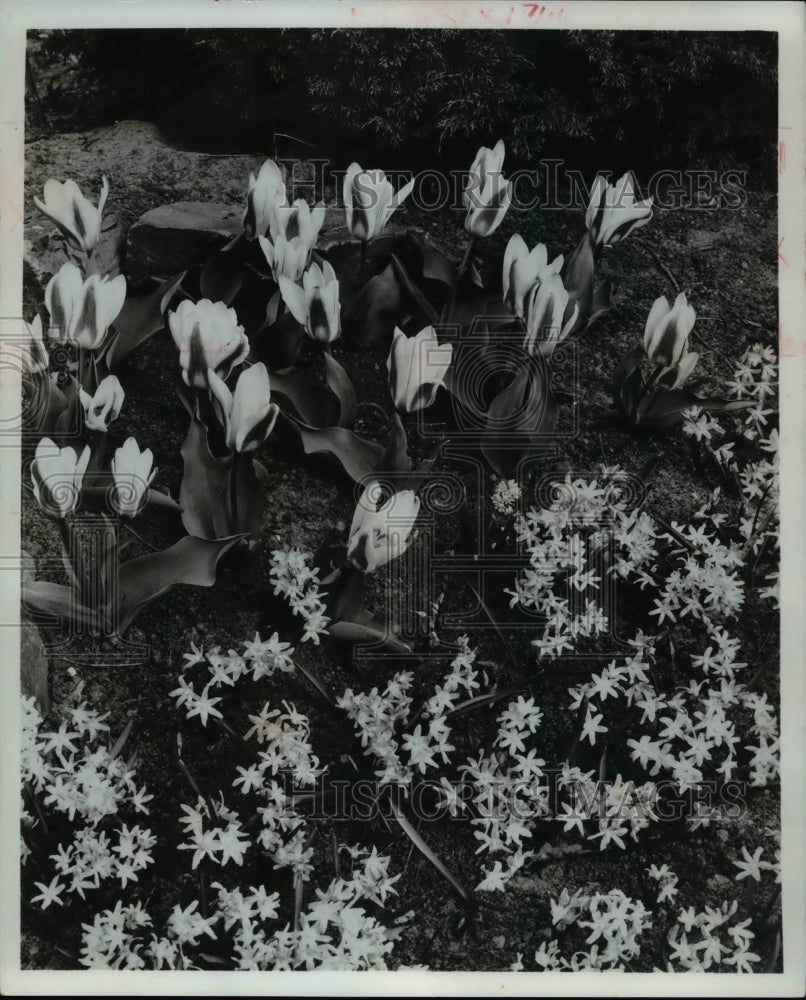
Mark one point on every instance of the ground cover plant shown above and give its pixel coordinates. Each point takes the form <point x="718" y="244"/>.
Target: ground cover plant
<point x="409" y="601"/>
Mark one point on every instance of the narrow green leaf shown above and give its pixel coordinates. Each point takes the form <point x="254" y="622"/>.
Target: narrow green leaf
<point x="427" y="853"/>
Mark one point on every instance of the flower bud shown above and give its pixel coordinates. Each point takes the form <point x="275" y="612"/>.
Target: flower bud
<point x="546" y="306"/>
<point x="316" y="304"/>
<point x="667" y="330"/>
<point x="613" y="212"/>
<point x="248" y="414"/>
<point x="57" y="474"/>
<point x="487" y="195"/>
<point x="77" y="218"/>
<point x="417" y="367"/>
<point x="370" y="200"/>
<point x="81" y="312"/>
<point x="208" y="337"/>
<point x="133" y="472"/>
<point x="381" y="534"/>
<point x="104" y="407"/>
<point x="523" y="269"/>
<point x="266" y="192"/>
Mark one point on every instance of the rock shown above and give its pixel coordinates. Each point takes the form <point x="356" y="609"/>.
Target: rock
<point x="34" y="667"/>
<point x="170" y="238"/>
<point x="143" y="171"/>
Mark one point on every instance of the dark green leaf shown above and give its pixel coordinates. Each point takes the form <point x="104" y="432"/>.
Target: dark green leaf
<point x="357" y="456"/>
<point x="142" y="315"/>
<point x="339" y="382"/>
<point x="60" y="601"/>
<point x="313" y="404"/>
<point x="190" y="561"/>
<point x="374" y="312"/>
<point x="427" y="853"/>
<point x="223" y="274"/>
<point x="373" y="637"/>
<point x="203" y="495"/>
<point x="430" y="313"/>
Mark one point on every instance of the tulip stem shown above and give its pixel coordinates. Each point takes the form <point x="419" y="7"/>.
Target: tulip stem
<point x="362" y="267"/>
<point x="233" y="492"/>
<point x="450" y="305"/>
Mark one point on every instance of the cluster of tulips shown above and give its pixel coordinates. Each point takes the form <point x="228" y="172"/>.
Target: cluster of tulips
<point x="235" y="386"/>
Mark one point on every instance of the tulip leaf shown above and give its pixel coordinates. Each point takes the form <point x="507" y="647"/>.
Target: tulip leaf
<point x="628" y="382"/>
<point x="70" y="421"/>
<point x="577" y="276"/>
<point x="396" y="456"/>
<point x="280" y="345"/>
<point x="190" y="561"/>
<point x="223" y="274"/>
<point x="204" y="493"/>
<point x="160" y="499"/>
<point x="142" y="315"/>
<point x="522" y="413"/>
<point x="430" y="313"/>
<point x="600" y="302"/>
<point x="313" y="403"/>
<point x="357" y="456"/>
<point x="344" y="597"/>
<point x="373" y="637"/>
<point x="246" y="493"/>
<point x="339" y="381"/>
<point x="60" y="601"/>
<point x="373" y="314"/>
<point x="665" y="408"/>
<point x="261" y="472"/>
<point x="436" y="266"/>
<point x="44" y="403"/>
<point x="273" y="308"/>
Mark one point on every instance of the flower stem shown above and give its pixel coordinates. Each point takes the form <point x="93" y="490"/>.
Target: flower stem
<point x="450" y="305"/>
<point x="233" y="492"/>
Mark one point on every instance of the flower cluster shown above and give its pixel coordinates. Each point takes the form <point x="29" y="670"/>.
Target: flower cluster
<point x="614" y="921"/>
<point x="336" y="931"/>
<point x="506" y="495"/>
<point x="716" y="944"/>
<point x="71" y="772"/>
<point x="298" y="582"/>
<point x="260" y="658"/>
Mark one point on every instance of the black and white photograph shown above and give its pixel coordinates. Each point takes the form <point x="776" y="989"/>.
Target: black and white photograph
<point x="402" y="498"/>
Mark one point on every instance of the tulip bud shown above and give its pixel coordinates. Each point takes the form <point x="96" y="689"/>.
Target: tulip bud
<point x="381" y="534"/>
<point x="487" y="195"/>
<point x="667" y="330"/>
<point x="104" y="407"/>
<point x="546" y="305"/>
<point x="297" y="220"/>
<point x="57" y="474"/>
<point x="286" y="258"/>
<point x="370" y="200"/>
<point x="208" y="337"/>
<point x="81" y="312"/>
<point x="133" y="472"/>
<point x="675" y="376"/>
<point x="248" y="414"/>
<point x="77" y="218"/>
<point x="266" y="192"/>
<point x="613" y="212"/>
<point x="523" y="269"/>
<point x="34" y="355"/>
<point x="417" y="367"/>
<point x="316" y="304"/>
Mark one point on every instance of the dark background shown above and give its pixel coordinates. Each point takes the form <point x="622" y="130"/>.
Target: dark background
<point x="410" y="99"/>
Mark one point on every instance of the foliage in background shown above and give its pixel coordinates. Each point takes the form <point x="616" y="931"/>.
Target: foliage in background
<point x="674" y="99"/>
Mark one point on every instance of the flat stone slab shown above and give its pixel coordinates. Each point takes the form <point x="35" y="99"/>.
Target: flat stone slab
<point x="170" y="238"/>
